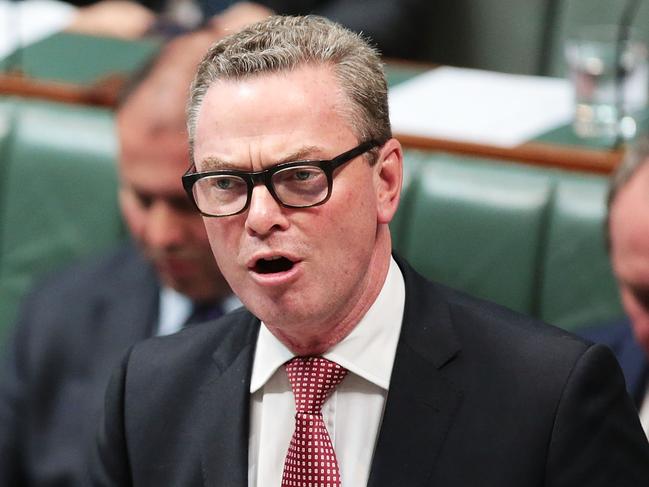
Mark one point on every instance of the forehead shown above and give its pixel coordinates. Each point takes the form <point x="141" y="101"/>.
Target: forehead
<point x="155" y="161"/>
<point x="272" y="115"/>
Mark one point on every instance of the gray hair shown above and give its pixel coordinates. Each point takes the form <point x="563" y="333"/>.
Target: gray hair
<point x="286" y="43"/>
<point x="634" y="158"/>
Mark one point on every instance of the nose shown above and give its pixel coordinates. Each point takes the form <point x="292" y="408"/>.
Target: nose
<point x="264" y="215"/>
<point x="163" y="226"/>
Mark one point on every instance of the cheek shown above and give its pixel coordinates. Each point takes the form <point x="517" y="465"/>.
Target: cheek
<point x="359" y="214"/>
<point x="350" y="232"/>
<point x="223" y="240"/>
<point x="639" y="318"/>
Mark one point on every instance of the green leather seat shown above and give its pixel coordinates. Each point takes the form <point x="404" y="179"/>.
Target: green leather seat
<point x="81" y="59"/>
<point x="526" y="237"/>
<point x="478" y="227"/>
<point x="59" y="197"/>
<point x="578" y="286"/>
<point x="7" y="116"/>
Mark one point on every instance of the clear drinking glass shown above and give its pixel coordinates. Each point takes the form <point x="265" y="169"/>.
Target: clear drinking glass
<point x="610" y="81"/>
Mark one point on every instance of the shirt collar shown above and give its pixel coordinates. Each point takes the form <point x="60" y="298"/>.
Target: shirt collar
<point x="173" y="310"/>
<point x="367" y="351"/>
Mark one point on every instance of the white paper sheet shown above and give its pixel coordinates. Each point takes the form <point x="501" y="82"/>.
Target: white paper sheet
<point x="480" y="106"/>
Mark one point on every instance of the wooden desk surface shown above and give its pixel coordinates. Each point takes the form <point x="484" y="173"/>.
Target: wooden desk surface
<point x="536" y="153"/>
<point x="559" y="148"/>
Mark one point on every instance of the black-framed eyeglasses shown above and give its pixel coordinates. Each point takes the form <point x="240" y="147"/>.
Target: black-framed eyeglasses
<point x="298" y="184"/>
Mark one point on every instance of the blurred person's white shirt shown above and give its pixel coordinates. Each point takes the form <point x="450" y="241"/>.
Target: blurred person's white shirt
<point x="644" y="413"/>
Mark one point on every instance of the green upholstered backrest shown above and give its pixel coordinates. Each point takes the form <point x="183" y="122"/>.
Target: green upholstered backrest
<point x="59" y="196"/>
<point x="7" y="116"/>
<point x="578" y="285"/>
<point x="398" y="225"/>
<point x="81" y="59"/>
<point x="570" y="15"/>
<point x="525" y="237"/>
<point x="478" y="227"/>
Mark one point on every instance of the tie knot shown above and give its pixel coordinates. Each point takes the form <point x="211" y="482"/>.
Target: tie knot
<point x="313" y="379"/>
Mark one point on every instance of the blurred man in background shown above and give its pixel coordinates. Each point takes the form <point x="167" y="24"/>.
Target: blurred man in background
<point x="75" y="327"/>
<point x="628" y="237"/>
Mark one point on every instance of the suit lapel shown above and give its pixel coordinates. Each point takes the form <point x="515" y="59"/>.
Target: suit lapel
<point x="225" y="407"/>
<point x="421" y="403"/>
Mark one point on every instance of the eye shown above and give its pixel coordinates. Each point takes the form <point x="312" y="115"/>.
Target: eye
<point x="224" y="183"/>
<point x="143" y="200"/>
<point x="222" y="186"/>
<point x="304" y="174"/>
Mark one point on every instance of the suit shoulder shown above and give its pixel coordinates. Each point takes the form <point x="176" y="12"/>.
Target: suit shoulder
<point x="501" y="326"/>
<point x="487" y="331"/>
<point x="219" y="340"/>
<point x="114" y="267"/>
<point x="68" y="302"/>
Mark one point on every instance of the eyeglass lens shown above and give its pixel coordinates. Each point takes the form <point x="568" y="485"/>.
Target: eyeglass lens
<point x="299" y="186"/>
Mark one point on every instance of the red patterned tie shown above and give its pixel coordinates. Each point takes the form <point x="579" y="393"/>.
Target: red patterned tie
<point x="311" y="461"/>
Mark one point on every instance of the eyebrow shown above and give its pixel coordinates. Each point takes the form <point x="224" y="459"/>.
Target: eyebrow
<point x="310" y="152"/>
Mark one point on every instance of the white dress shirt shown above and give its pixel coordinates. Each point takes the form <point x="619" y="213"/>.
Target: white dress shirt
<point x="644" y="413"/>
<point x="353" y="412"/>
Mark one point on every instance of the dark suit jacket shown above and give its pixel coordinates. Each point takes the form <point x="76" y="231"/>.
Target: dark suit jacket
<point x="479" y="396"/>
<point x="400" y="28"/>
<point x="72" y="332"/>
<point x="618" y="336"/>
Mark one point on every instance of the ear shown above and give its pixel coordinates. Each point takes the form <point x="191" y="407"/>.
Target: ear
<point x="388" y="174"/>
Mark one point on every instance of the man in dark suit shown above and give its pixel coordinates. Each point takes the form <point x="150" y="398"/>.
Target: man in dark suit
<point x="346" y="367"/>
<point x="75" y="327"/>
<point x="400" y="28"/>
<point x="628" y="239"/>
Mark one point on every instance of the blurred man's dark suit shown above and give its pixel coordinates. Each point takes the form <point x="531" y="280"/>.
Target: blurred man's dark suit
<point x="72" y="331"/>
<point x="618" y="336"/>
<point x="478" y="396"/>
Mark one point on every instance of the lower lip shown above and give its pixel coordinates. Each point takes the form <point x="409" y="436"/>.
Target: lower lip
<point x="277" y="278"/>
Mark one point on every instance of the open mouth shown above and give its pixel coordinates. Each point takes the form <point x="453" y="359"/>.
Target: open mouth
<point x="273" y="265"/>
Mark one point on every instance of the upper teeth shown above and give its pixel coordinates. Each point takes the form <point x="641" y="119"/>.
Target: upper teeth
<point x="276" y="257"/>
